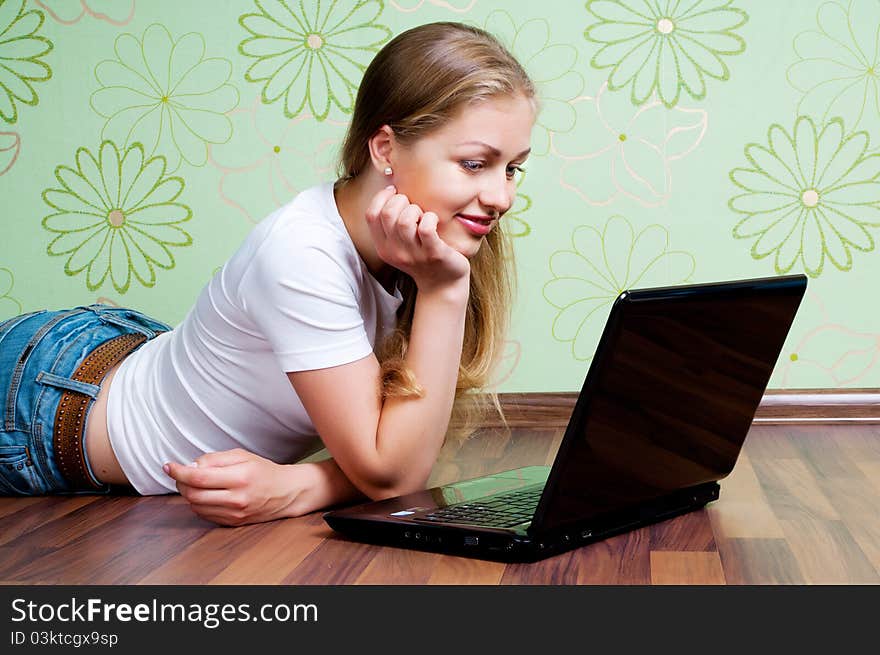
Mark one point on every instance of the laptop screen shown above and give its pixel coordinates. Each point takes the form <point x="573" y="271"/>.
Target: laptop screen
<point x="670" y="396"/>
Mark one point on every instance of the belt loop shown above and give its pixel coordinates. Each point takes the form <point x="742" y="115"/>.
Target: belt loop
<point x="115" y="319"/>
<point x="52" y="380"/>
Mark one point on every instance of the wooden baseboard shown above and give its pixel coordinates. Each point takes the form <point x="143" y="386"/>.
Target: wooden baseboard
<point x="779" y="406"/>
<point x="819" y="406"/>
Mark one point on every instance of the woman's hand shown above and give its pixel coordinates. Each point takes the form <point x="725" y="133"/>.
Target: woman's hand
<point x="236" y="487"/>
<point x="406" y="238"/>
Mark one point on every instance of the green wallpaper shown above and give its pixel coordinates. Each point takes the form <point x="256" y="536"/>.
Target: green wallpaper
<point x="679" y="140"/>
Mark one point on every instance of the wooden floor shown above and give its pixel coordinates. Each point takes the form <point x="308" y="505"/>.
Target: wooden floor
<point x="802" y="506"/>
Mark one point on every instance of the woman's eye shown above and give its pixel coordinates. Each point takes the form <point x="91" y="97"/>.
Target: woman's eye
<point x="474" y="166"/>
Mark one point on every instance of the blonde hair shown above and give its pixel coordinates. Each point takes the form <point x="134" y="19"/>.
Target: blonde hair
<point x="416" y="84"/>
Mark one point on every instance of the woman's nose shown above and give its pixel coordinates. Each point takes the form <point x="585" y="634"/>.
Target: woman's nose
<point x="497" y="194"/>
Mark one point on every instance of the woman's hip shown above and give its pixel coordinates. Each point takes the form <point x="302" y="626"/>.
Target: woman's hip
<point x="52" y="365"/>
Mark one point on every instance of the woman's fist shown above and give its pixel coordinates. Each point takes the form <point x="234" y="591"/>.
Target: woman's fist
<point x="406" y="238"/>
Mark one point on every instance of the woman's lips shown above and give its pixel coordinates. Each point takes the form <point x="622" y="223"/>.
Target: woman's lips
<point x="478" y="225"/>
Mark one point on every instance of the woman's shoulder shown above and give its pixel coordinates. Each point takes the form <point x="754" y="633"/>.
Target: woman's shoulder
<point x="307" y="230"/>
<point x="314" y="199"/>
<point x="309" y="216"/>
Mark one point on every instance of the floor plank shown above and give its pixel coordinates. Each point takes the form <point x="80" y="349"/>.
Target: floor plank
<point x="824" y="454"/>
<point x="277" y="554"/>
<point x="33" y="515"/>
<point x="558" y="570"/>
<point x="621" y="560"/>
<point x="792" y="490"/>
<point x="399" y="567"/>
<point x="759" y="562"/>
<point x="14" y="504"/>
<point x="743" y="510"/>
<point x="208" y="556"/>
<point x="451" y="570"/>
<point x="770" y="442"/>
<point x="691" y="531"/>
<point x="827" y="553"/>
<point x="119" y="552"/>
<point x="681" y="568"/>
<point x="334" y="561"/>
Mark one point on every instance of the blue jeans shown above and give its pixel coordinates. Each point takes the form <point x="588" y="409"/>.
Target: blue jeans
<point x="39" y="353"/>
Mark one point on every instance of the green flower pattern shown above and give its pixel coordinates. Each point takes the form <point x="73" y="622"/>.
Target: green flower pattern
<point x="313" y="55"/>
<point x="20" y="52"/>
<point x="808" y="196"/>
<point x="664" y="46"/>
<point x="598" y="267"/>
<point x="116" y="216"/>
<point x="514" y="223"/>
<point x="9" y="306"/>
<point x="838" y="66"/>
<point x="166" y="95"/>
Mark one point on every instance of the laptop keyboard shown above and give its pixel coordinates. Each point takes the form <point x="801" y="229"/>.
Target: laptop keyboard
<point x="500" y="511"/>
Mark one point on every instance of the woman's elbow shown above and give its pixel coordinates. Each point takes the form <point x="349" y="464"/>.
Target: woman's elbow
<point x="395" y="485"/>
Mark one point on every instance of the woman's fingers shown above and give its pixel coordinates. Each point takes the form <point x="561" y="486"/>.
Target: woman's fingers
<point x="221" y="506"/>
<point x="427" y="234"/>
<point x="205" y="477"/>
<point x="407" y="225"/>
<point x="393" y="222"/>
<point x="374" y="214"/>
<point x="213" y="497"/>
<point x="391" y="212"/>
<point x="224" y="457"/>
<point x="378" y="202"/>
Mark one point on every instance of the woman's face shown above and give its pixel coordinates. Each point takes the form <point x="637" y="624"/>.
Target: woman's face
<point x="466" y="171"/>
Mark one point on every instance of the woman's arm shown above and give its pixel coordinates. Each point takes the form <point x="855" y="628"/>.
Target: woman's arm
<point x="235" y="487"/>
<point x="387" y="449"/>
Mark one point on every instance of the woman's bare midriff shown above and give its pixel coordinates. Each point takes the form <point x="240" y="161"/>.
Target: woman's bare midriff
<point x="103" y="461"/>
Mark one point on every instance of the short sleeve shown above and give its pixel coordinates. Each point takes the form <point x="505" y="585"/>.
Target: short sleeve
<point x="300" y="290"/>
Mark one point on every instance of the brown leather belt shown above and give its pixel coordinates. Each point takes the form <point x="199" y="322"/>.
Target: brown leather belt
<point x="71" y="415"/>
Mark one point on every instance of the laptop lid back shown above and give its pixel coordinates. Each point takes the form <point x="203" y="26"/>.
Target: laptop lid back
<point x="670" y="395"/>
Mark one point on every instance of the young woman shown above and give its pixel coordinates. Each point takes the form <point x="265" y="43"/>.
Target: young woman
<point x="357" y="316"/>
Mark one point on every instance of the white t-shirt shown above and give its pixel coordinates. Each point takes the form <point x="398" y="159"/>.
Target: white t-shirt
<point x="295" y="296"/>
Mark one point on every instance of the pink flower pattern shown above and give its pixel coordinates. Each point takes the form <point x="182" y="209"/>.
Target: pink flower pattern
<point x="271" y="158"/>
<point x="10" y="148"/>
<point x="617" y="149"/>
<point x="68" y="12"/>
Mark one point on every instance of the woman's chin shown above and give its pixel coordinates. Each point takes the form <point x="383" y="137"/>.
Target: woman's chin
<point x="470" y="249"/>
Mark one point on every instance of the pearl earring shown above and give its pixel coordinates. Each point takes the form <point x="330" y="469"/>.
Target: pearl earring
<point x="388" y="170"/>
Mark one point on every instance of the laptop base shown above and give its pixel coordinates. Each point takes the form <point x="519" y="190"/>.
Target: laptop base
<point x="518" y="546"/>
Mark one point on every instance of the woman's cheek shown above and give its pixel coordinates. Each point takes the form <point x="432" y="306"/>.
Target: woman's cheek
<point x="446" y="227"/>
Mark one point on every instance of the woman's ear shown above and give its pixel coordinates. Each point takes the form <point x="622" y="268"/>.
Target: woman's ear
<point x="382" y="145"/>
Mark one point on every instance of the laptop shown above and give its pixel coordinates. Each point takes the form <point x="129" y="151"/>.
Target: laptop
<point x="666" y="405"/>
